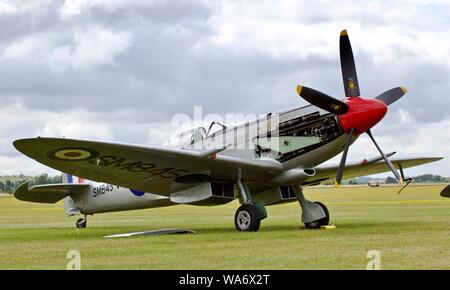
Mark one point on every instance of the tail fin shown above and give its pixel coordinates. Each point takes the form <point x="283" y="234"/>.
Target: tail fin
<point x="67" y="178"/>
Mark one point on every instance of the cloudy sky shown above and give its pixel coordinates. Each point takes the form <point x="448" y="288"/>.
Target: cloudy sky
<point x="120" y="69"/>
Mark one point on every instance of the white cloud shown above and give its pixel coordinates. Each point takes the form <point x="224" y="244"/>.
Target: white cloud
<point x="6" y="8"/>
<point x="21" y="164"/>
<point x="77" y="7"/>
<point x="86" y="49"/>
<point x="27" y="48"/>
<point x="19" y="122"/>
<point x="405" y="117"/>
<point x="156" y="58"/>
<point x="75" y="125"/>
<point x="388" y="31"/>
<point x="92" y="47"/>
<point x="10" y="7"/>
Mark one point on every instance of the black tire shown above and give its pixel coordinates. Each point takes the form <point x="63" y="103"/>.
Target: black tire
<point x="81" y="223"/>
<point x="322" y="222"/>
<point x="247" y="218"/>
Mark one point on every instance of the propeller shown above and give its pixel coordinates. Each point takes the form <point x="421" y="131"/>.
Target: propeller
<point x="356" y="115"/>
<point x="322" y="100"/>
<point x="392" y="95"/>
<point x="349" y="76"/>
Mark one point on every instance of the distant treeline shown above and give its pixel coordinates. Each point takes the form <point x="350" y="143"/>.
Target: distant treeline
<point x="430" y="178"/>
<point x="10" y="182"/>
<point x="426" y="178"/>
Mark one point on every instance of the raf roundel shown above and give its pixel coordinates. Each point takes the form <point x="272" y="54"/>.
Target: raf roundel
<point x="73" y="154"/>
<point x="137" y="192"/>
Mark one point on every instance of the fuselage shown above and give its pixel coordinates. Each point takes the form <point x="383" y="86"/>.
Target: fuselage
<point x="298" y="138"/>
<point x="102" y="197"/>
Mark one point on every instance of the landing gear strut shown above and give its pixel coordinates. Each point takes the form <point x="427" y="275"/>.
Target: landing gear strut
<point x="314" y="214"/>
<point x="249" y="215"/>
<point x="81" y="223"/>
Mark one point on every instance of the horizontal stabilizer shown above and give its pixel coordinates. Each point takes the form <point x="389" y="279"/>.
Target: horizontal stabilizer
<point x="50" y="193"/>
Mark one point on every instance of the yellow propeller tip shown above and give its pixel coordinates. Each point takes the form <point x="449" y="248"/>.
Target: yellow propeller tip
<point x="299" y="89"/>
<point x="344" y="32"/>
<point x="404" y="90"/>
<point x="336" y="184"/>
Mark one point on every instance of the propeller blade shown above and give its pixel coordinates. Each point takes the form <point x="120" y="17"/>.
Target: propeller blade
<point x="392" y="95"/>
<point x="386" y="159"/>
<point x="322" y="100"/>
<point x="351" y="85"/>
<point x="340" y="171"/>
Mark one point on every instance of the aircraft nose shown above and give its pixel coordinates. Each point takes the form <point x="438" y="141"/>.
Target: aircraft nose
<point x="362" y="114"/>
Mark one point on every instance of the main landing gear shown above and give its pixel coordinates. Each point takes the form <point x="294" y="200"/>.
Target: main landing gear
<point x="249" y="215"/>
<point x="81" y="223"/>
<point x="314" y="214"/>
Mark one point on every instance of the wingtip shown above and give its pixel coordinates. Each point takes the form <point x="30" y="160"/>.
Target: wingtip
<point x="404" y="90"/>
<point x="26" y="145"/>
<point x="344" y="32"/>
<point x="336" y="184"/>
<point x="299" y="89"/>
<point x="19" y="143"/>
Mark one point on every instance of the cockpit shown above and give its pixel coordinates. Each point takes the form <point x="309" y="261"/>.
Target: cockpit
<point x="193" y="136"/>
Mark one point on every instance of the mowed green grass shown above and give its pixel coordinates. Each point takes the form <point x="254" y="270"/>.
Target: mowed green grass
<point x="411" y="231"/>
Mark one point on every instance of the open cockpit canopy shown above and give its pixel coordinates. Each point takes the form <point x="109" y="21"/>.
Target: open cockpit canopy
<point x="188" y="137"/>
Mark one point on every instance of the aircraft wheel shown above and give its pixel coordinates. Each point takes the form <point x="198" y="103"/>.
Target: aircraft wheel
<point x="247" y="218"/>
<point x="81" y="223"/>
<point x="322" y="222"/>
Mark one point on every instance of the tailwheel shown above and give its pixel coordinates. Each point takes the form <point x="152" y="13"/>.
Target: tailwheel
<point x="321" y="222"/>
<point x="81" y="223"/>
<point x="247" y="218"/>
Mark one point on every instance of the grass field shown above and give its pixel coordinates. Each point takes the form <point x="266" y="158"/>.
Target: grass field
<point x="411" y="231"/>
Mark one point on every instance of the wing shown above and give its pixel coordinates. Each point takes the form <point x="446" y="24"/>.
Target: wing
<point x="147" y="168"/>
<point x="327" y="173"/>
<point x="50" y="193"/>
